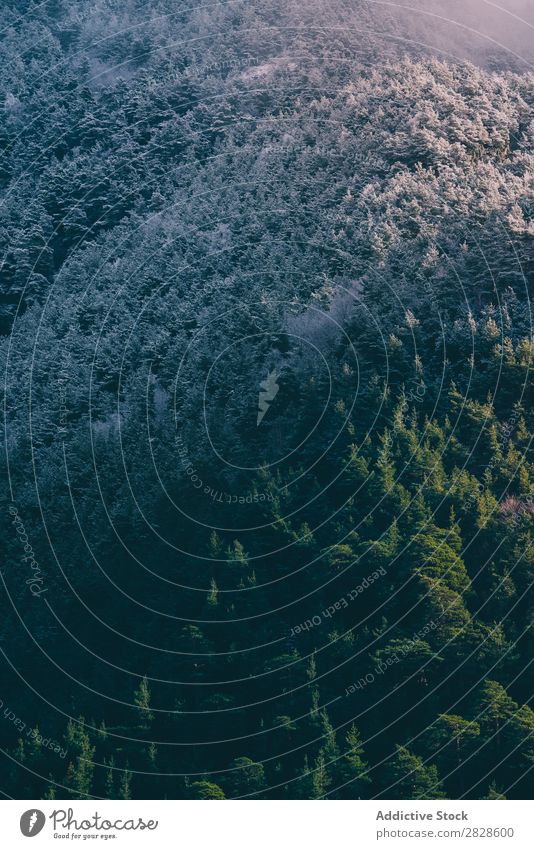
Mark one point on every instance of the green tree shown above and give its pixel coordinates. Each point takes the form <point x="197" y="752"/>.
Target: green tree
<point x="353" y="769"/>
<point x="142" y="700"/>
<point x="407" y="777"/>
<point x="245" y="778"/>
<point x="205" y="790"/>
<point x="81" y="766"/>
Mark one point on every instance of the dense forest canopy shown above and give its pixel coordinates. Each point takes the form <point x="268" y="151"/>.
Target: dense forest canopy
<point x="266" y="340"/>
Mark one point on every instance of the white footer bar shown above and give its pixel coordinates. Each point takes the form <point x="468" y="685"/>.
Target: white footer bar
<point x="269" y="824"/>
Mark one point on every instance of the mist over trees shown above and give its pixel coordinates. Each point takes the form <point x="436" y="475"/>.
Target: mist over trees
<point x="491" y="34"/>
<point x="266" y="343"/>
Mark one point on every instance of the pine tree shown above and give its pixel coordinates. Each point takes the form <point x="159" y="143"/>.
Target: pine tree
<point x="407" y="777"/>
<point x="142" y="700"/>
<point x="321" y="780"/>
<point x="353" y="770"/>
<point x="125" y="784"/>
<point x="246" y="778"/>
<point x="110" y="780"/>
<point x="81" y="768"/>
<point x="205" y="790"/>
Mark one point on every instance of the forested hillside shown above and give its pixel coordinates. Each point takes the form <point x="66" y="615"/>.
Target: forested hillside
<point x="266" y="339"/>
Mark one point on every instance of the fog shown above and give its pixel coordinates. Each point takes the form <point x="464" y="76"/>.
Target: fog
<point x="495" y="34"/>
<point x="486" y="32"/>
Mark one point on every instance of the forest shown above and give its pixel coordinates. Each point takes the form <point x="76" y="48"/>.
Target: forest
<point x="266" y="344"/>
